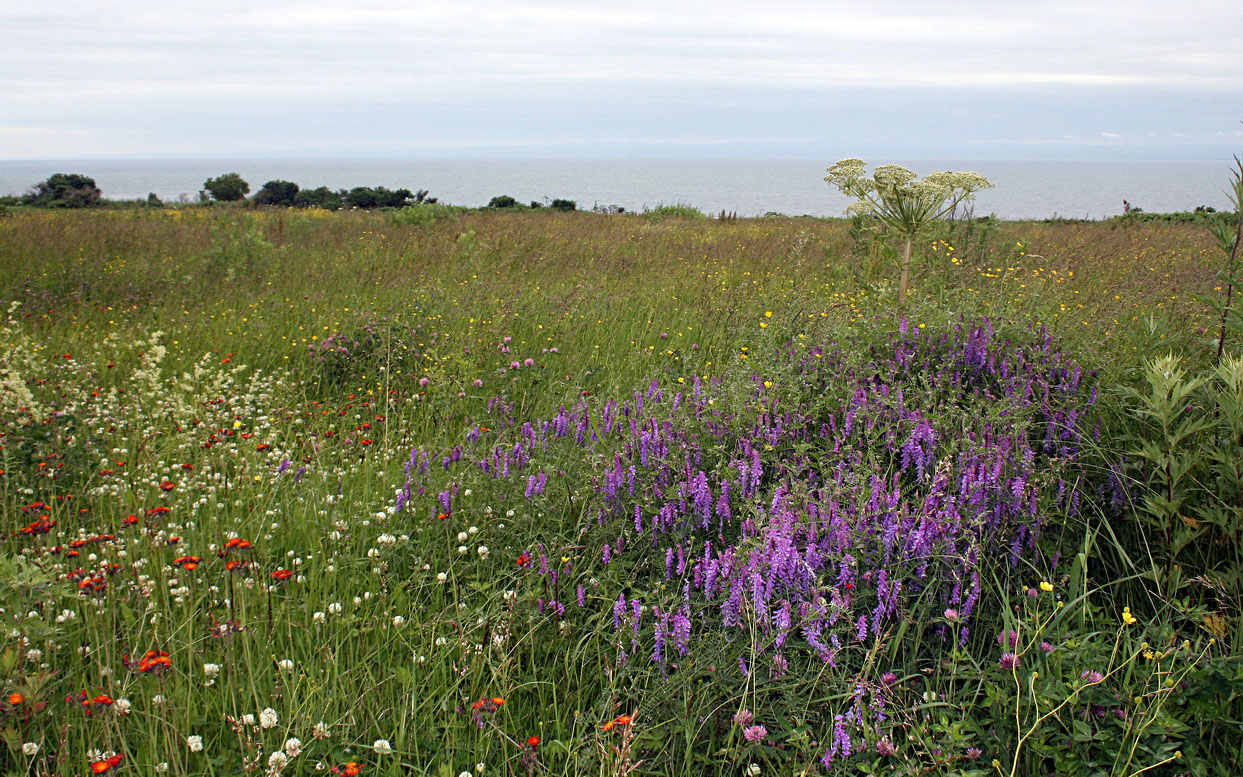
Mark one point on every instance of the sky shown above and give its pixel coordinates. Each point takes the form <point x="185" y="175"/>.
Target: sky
<point x="83" y="79"/>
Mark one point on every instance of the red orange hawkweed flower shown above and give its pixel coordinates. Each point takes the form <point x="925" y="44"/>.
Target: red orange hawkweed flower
<point x="620" y="720"/>
<point x="488" y="704"/>
<point x="16" y="698"/>
<point x="281" y="575"/>
<point x="524" y="558"/>
<point x="154" y="661"/>
<point x="533" y="742"/>
<point x="188" y="563"/>
<point x="237" y="543"/>
<point x="107" y="764"/>
<point x="167" y="485"/>
<point x="351" y="769"/>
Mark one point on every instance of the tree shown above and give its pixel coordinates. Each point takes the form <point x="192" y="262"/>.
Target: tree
<point x="229" y="187"/>
<point x="282" y="193"/>
<point x="502" y="201"/>
<point x="66" y="190"/>
<point x="322" y="197"/>
<point x="564" y="205"/>
<point x="904" y="205"/>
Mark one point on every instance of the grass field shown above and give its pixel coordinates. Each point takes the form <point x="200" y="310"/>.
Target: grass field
<point x="441" y="492"/>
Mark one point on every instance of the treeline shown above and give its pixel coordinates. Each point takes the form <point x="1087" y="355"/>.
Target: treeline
<point x="73" y="190"/>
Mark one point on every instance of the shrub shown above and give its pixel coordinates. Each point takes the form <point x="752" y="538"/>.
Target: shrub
<point x="366" y="198"/>
<point x="322" y="197"/>
<point x="229" y="187"/>
<point x="283" y="193"/>
<point x="502" y="201"/>
<point x="424" y="214"/>
<point x="563" y="205"/>
<point x="66" y="190"/>
<point x="679" y="211"/>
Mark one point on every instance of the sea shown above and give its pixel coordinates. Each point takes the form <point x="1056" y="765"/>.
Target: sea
<point x="1024" y="189"/>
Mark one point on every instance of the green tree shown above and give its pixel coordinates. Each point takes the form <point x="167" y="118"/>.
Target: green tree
<point x="281" y="193"/>
<point x="229" y="187"/>
<point x="903" y="204"/>
<point x="66" y="190"/>
<point x="502" y="201"/>
<point x="321" y="197"/>
<point x="565" y="205"/>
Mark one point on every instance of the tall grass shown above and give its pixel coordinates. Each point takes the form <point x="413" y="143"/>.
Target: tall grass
<point x="444" y="494"/>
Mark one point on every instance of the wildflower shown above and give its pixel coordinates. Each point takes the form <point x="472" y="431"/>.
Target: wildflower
<point x="16" y="699"/>
<point x="754" y="734"/>
<point x="754" y="770"/>
<point x="620" y="720"/>
<point x="1128" y="618"/>
<point x="281" y="575"/>
<point x="743" y="718"/>
<point x="167" y="485"/>
<point x="1046" y="586"/>
<point x="532" y="742"/>
<point x="351" y="769"/>
<point x="30" y="749"/>
<point x="267" y="718"/>
<point x="885" y="747"/>
<point x="951" y="614"/>
<point x="277" y="761"/>
<point x="1092" y="676"/>
<point x="1008" y="661"/>
<point x="382" y="747"/>
<point x="1046" y="647"/>
<point x="154" y="662"/>
<point x="195" y="743"/>
<point x="293" y="747"/>
<point x="105" y="765"/>
<point x="320" y="731"/>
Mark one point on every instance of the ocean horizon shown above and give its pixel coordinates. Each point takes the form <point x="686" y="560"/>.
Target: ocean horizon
<point x="1024" y="188"/>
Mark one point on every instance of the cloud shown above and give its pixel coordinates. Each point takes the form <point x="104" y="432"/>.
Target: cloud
<point x="97" y="60"/>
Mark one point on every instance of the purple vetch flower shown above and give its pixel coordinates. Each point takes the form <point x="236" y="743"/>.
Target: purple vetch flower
<point x="581" y="593"/>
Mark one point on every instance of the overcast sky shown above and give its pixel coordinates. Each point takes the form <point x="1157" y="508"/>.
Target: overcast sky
<point x="971" y="78"/>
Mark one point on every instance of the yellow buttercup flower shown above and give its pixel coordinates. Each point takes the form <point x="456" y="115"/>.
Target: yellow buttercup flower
<point x="1128" y="618"/>
<point x="1046" y="586"/>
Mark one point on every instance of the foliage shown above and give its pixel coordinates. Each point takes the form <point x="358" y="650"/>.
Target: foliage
<point x="502" y="201"/>
<point x="563" y="205"/>
<point x="229" y="187"/>
<point x="424" y="214"/>
<point x="678" y="211"/>
<point x="280" y="193"/>
<point x="366" y="197"/>
<point x="65" y="190"/>
<point x="321" y="197"/>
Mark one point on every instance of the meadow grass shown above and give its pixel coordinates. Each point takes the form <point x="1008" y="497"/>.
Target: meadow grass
<point x="563" y="493"/>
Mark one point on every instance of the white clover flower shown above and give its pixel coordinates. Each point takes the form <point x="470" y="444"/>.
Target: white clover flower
<point x="462" y="550"/>
<point x="285" y="664"/>
<point x="268" y="718"/>
<point x="277" y="761"/>
<point x="211" y="670"/>
<point x="441" y="577"/>
<point x="318" y="617"/>
<point x="461" y="536"/>
<point x="30" y="749"/>
<point x="398" y="621"/>
<point x="382" y="747"/>
<point x="465" y="774"/>
<point x="195" y="743"/>
<point x="162" y="767"/>
<point x="122" y="706"/>
<point x="293" y="747"/>
<point x="320" y="731"/>
<point x="483" y="551"/>
<point x="248" y="719"/>
<point x="335" y="608"/>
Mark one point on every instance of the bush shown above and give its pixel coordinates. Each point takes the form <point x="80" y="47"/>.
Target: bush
<point x="502" y="201"/>
<point x="563" y="205"/>
<point x="282" y="193"/>
<point x="229" y="187"/>
<point x="424" y="214"/>
<point x="66" y="190"/>
<point x="367" y="198"/>
<point x="322" y="197"/>
<point x="679" y="211"/>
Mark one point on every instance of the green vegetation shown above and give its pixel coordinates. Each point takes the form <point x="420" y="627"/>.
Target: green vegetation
<point x="436" y="490"/>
